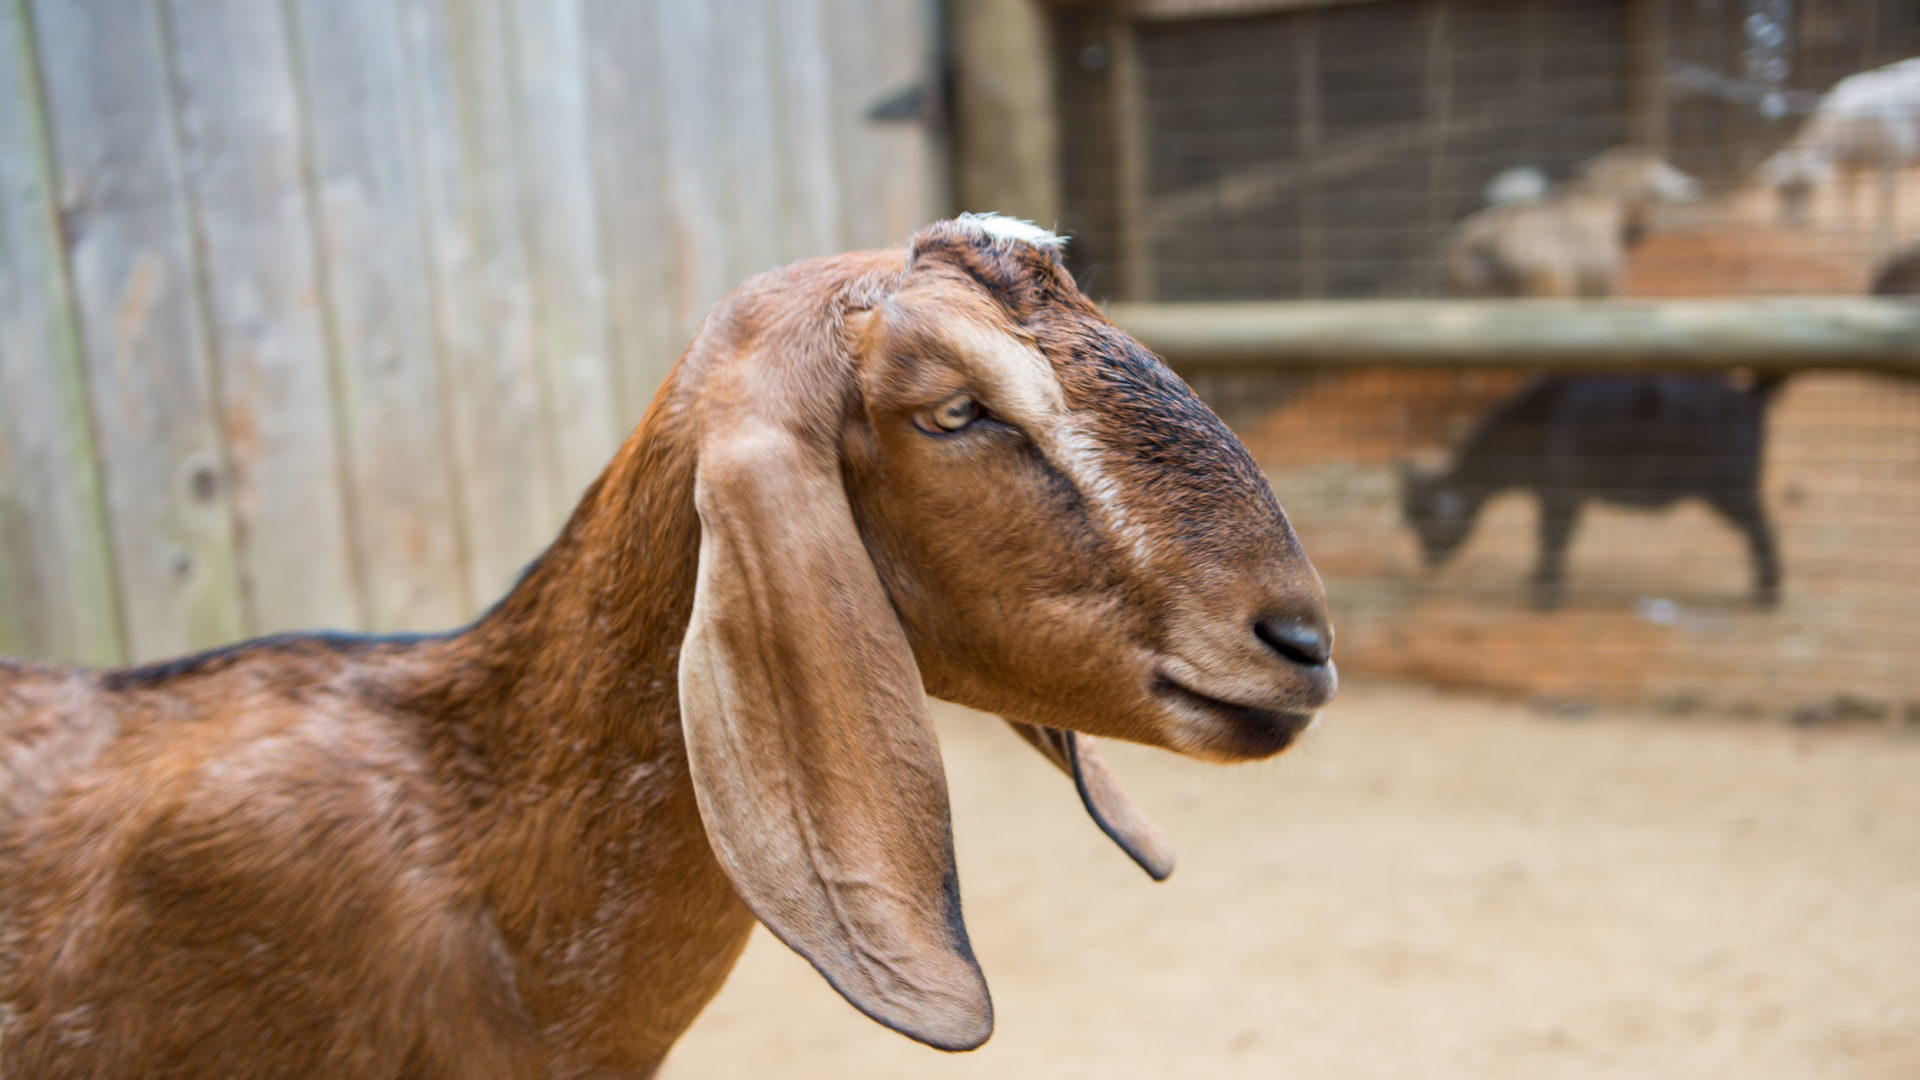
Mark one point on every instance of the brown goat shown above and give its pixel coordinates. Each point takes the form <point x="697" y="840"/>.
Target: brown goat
<point x="535" y="846"/>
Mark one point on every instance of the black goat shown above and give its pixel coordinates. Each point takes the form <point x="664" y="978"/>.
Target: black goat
<point x="1645" y="441"/>
<point x="1898" y="276"/>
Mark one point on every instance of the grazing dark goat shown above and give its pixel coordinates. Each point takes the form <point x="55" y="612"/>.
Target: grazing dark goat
<point x="1645" y="441"/>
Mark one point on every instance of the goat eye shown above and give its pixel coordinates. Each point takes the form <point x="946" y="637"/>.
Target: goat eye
<point x="950" y="415"/>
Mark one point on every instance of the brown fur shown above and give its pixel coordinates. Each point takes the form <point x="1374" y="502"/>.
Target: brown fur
<point x="484" y="853"/>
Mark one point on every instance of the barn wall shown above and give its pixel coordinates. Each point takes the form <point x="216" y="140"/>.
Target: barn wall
<point x="322" y="313"/>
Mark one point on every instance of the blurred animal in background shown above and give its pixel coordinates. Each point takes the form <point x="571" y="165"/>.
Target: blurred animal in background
<point x="537" y="845"/>
<point x="1899" y="275"/>
<point x="1535" y="240"/>
<point x="1631" y="440"/>
<point x="1868" y="121"/>
<point x="1637" y="441"/>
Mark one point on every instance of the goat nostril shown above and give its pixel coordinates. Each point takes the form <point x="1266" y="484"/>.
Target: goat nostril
<point x="1295" y="640"/>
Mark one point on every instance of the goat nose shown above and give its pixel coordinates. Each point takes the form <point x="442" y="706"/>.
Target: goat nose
<point x="1295" y="640"/>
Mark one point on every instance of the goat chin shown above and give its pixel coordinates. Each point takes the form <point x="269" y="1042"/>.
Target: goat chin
<point x="536" y="845"/>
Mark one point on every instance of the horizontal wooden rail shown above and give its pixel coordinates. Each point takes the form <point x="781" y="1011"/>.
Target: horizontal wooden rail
<point x="1808" y="332"/>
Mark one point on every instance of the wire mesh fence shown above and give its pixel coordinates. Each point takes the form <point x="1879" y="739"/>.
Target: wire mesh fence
<point x="1342" y="150"/>
<point x="1734" y="540"/>
<point x="1727" y="544"/>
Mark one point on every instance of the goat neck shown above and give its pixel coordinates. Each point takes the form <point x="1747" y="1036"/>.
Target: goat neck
<point x="557" y="716"/>
<point x="590" y="636"/>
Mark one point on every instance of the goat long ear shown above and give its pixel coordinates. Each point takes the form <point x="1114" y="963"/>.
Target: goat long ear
<point x="1100" y="793"/>
<point x="813" y="755"/>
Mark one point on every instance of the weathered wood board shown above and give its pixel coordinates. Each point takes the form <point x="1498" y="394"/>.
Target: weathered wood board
<point x="125" y="221"/>
<point x="238" y="121"/>
<point x="322" y="313"/>
<point x="57" y="595"/>
<point x="392" y="396"/>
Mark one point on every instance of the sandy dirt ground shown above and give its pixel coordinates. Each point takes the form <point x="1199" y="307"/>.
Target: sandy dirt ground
<point x="1429" y="886"/>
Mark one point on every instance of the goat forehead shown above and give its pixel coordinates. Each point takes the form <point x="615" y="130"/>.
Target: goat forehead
<point x="1136" y="441"/>
<point x="1157" y="437"/>
<point x="1152" y="462"/>
<point x="1024" y="382"/>
<point x="1107" y="387"/>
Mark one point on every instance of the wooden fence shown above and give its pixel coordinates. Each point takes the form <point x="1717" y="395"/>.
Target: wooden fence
<point x="319" y="313"/>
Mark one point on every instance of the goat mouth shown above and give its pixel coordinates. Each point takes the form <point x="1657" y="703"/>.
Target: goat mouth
<point x="1249" y="731"/>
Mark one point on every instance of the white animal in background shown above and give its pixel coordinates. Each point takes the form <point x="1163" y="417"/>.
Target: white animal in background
<point x="1868" y="121"/>
<point x="1517" y="184"/>
<point x="1567" y="241"/>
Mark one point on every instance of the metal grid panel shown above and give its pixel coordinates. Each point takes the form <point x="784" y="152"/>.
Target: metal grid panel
<point x="1343" y="152"/>
<point x="1330" y="152"/>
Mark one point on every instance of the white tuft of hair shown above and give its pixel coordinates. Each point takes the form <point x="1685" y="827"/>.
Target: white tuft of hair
<point x="1011" y="230"/>
<point x="1518" y="184"/>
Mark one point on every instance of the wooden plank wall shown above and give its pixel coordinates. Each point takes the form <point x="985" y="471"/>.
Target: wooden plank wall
<point x="321" y="313"/>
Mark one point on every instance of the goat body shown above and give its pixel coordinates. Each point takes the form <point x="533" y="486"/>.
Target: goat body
<point x="1899" y="275"/>
<point x="1639" y="441"/>
<point x="536" y="846"/>
<point x="474" y="854"/>
<point x="1565" y="247"/>
<point x="1869" y="120"/>
<point x="1568" y="242"/>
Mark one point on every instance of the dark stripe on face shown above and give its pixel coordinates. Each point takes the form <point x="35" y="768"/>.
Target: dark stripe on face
<point x="1178" y="455"/>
